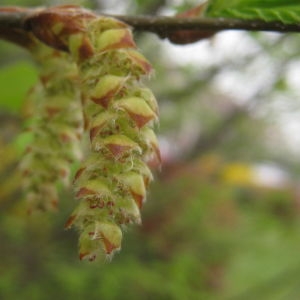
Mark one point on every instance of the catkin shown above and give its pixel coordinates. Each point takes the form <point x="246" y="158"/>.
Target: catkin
<point x="56" y="126"/>
<point x="119" y="114"/>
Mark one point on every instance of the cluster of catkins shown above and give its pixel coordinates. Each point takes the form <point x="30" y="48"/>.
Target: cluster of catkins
<point x="97" y="54"/>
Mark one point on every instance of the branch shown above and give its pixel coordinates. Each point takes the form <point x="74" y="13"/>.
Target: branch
<point x="163" y="26"/>
<point x="159" y="24"/>
<point x="13" y="20"/>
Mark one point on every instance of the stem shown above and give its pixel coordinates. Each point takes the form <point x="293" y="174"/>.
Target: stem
<point x="162" y="25"/>
<point x="12" y="20"/>
<point x="159" y="24"/>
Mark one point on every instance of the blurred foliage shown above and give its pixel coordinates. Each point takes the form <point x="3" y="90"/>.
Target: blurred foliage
<point x="211" y="228"/>
<point x="23" y="74"/>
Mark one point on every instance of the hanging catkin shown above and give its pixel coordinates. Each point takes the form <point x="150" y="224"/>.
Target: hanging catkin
<point x="56" y="126"/>
<point x="119" y="113"/>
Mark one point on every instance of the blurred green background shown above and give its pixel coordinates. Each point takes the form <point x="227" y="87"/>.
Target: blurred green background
<point x="222" y="220"/>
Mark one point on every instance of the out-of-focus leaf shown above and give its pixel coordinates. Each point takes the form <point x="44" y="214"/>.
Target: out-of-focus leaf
<point x="270" y="10"/>
<point x="15" y="81"/>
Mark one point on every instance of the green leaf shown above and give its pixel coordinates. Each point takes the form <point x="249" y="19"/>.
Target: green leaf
<point x="15" y="81"/>
<point x="286" y="11"/>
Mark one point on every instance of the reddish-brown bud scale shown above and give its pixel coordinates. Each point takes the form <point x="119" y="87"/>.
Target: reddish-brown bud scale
<point x="70" y="222"/>
<point x="139" y="199"/>
<point x="109" y="247"/>
<point x="84" y="192"/>
<point x="78" y="173"/>
<point x="117" y="151"/>
<point x="140" y="120"/>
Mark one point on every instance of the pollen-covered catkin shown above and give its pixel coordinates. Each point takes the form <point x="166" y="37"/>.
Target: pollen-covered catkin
<point x="119" y="113"/>
<point x="56" y="126"/>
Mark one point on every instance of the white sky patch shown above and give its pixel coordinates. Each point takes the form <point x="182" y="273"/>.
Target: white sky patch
<point x="181" y="55"/>
<point x="290" y="127"/>
<point x="225" y="45"/>
<point x="270" y="175"/>
<point x="242" y="87"/>
<point x="293" y="75"/>
<point x="115" y="7"/>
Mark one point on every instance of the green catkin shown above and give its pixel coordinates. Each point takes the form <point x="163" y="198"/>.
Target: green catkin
<point x="111" y="183"/>
<point x="56" y="126"/>
<point x="119" y="113"/>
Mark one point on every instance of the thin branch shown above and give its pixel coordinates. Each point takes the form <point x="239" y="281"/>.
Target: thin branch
<point x="162" y="25"/>
<point x="13" y="20"/>
<point x="158" y="24"/>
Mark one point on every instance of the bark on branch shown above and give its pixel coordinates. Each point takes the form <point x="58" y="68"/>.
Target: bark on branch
<point x="160" y="25"/>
